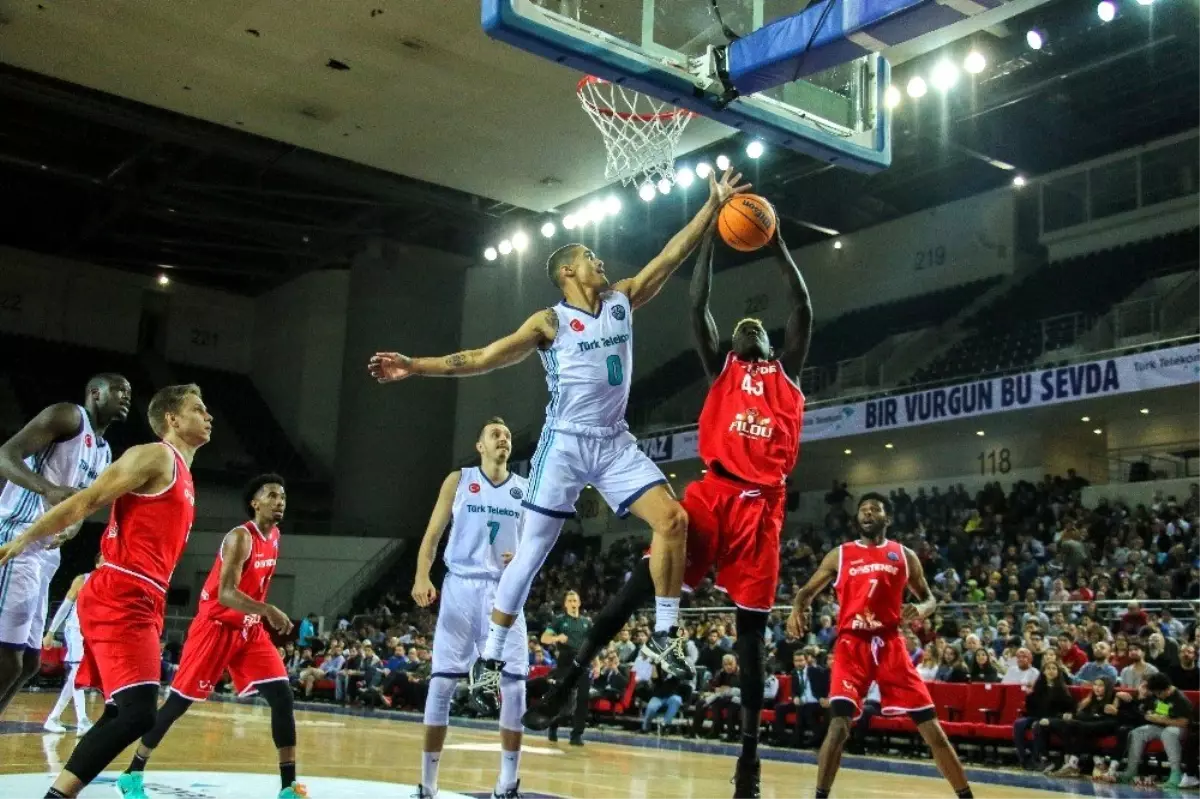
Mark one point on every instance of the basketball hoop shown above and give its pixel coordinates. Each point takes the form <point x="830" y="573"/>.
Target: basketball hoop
<point x="640" y="132"/>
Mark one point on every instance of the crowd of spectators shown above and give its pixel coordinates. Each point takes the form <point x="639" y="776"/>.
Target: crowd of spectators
<point x="1035" y="589"/>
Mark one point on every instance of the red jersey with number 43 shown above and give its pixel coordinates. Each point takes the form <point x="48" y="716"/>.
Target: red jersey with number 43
<point x="751" y="421"/>
<point x="257" y="572"/>
<point x="870" y="587"/>
<point x="146" y="533"/>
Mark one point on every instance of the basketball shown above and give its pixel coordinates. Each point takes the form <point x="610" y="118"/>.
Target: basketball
<point x="746" y="222"/>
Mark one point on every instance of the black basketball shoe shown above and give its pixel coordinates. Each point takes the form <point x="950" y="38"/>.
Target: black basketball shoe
<point x="666" y="650"/>
<point x="557" y="704"/>
<point x="746" y="780"/>
<point x="485" y="689"/>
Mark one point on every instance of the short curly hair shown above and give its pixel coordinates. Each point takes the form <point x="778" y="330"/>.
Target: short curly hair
<point x="254" y="486"/>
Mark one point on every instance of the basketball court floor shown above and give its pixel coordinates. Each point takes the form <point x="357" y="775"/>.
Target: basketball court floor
<point x="222" y="750"/>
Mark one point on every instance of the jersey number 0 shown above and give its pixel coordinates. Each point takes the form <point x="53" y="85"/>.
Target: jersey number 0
<point x="615" y="373"/>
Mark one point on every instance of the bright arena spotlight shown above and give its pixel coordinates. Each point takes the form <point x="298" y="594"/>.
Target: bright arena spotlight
<point x="944" y="76"/>
<point x="685" y="177"/>
<point x="722" y="162"/>
<point x="520" y="241"/>
<point x="974" y="63"/>
<point x="548" y="229"/>
<point x="664" y="186"/>
<point x="646" y="191"/>
<point x="506" y="247"/>
<point x="490" y="254"/>
<point x="1106" y="10"/>
<point x="569" y="222"/>
<point x="612" y="205"/>
<point x="754" y="149"/>
<point x="917" y="88"/>
<point x="891" y="97"/>
<point x="1035" y="39"/>
<point x="703" y="170"/>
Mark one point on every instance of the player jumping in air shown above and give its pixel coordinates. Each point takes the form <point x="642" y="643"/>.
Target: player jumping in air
<point x="121" y="607"/>
<point x="481" y="508"/>
<point x="749" y="440"/>
<point x="227" y="634"/>
<point x="870" y="576"/>
<point x="586" y="346"/>
<point x="59" y="452"/>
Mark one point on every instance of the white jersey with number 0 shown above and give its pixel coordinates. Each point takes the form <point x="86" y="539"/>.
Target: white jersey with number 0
<point x="74" y="462"/>
<point x="588" y="367"/>
<point x="485" y="523"/>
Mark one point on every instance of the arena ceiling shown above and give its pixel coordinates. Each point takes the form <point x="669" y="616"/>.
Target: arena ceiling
<point x="226" y="140"/>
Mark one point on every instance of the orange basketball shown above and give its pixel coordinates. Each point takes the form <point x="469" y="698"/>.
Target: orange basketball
<point x="746" y="222"/>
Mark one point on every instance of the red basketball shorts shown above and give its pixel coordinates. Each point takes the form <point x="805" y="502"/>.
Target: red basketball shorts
<point x="736" y="527"/>
<point x="859" y="660"/>
<point x="212" y="648"/>
<point x="121" y="618"/>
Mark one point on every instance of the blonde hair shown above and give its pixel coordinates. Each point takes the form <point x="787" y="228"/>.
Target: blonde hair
<point x="749" y="319"/>
<point x="168" y="399"/>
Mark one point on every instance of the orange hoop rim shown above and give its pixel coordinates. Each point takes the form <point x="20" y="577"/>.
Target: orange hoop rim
<point x="662" y="116"/>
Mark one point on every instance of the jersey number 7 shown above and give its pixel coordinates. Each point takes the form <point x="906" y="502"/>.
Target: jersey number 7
<point x="493" y="531"/>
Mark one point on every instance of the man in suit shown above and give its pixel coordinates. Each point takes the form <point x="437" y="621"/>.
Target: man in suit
<point x="810" y="698"/>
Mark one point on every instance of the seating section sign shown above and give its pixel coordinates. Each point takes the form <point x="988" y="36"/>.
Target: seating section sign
<point x="1124" y="374"/>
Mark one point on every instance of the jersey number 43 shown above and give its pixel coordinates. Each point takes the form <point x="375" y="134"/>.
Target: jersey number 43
<point x="754" y="387"/>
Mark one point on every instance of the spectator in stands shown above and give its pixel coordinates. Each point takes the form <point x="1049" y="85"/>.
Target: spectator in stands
<point x="928" y="667"/>
<point x="810" y="698"/>
<point x="711" y="653"/>
<point x="330" y="666"/>
<point x="1138" y="669"/>
<point x="871" y="707"/>
<point x="307" y="630"/>
<point x="1120" y="653"/>
<point x="1069" y="653"/>
<point x="826" y="632"/>
<point x="720" y="699"/>
<point x="982" y="669"/>
<point x="1094" y="718"/>
<point x="666" y="696"/>
<point x="350" y="671"/>
<point x="1021" y="672"/>
<point x="1184" y="674"/>
<point x="1098" y="667"/>
<point x="913" y="647"/>
<point x="1047" y="698"/>
<point x="1167" y="722"/>
<point x="626" y="650"/>
<point x="608" y="681"/>
<point x="951" y="668"/>
<point x="1158" y="654"/>
<point x="1134" y="619"/>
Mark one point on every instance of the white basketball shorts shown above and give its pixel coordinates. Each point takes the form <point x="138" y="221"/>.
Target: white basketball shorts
<point x="24" y="599"/>
<point x="564" y="463"/>
<point x="462" y="629"/>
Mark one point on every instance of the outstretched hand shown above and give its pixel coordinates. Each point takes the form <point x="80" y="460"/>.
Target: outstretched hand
<point x="387" y="367"/>
<point x="719" y="191"/>
<point x="797" y="622"/>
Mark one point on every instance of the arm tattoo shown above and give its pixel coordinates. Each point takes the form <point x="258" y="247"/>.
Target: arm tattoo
<point x="551" y="319"/>
<point x="456" y="361"/>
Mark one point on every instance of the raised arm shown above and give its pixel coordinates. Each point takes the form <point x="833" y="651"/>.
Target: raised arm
<point x="538" y="330"/>
<point x="423" y="591"/>
<point x="642" y="287"/>
<point x="145" y="468"/>
<point x="54" y="422"/>
<point x="798" y="333"/>
<point x="825" y="574"/>
<point x="704" y="328"/>
<point x="926" y="602"/>
<point x="235" y="551"/>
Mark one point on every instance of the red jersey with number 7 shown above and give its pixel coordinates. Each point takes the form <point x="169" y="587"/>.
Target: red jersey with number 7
<point x="257" y="572"/>
<point x="751" y="421"/>
<point x="870" y="587"/>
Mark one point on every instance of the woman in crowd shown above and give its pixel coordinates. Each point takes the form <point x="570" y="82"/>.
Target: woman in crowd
<point x="982" y="669"/>
<point x="1093" y="719"/>
<point x="1049" y="698"/>
<point x="928" y="667"/>
<point x="951" y="668"/>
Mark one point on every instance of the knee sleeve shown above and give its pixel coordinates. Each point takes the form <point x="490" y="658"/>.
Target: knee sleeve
<point x="168" y="714"/>
<point x="130" y="716"/>
<point x="283" y="715"/>
<point x="512" y="703"/>
<point x="538" y="534"/>
<point x="751" y="625"/>
<point x="437" y="701"/>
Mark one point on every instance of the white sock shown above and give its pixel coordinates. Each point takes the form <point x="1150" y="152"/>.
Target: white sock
<point x="494" y="648"/>
<point x="65" y="695"/>
<point x="429" y="770"/>
<point x="666" y="613"/>
<point x="510" y="762"/>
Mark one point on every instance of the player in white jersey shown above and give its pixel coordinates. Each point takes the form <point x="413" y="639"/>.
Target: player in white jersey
<point x="586" y="347"/>
<point x="67" y="617"/>
<point x="481" y="507"/>
<point x="60" y="451"/>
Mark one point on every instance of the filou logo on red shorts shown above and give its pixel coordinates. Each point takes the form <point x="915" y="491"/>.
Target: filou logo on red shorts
<point x="473" y="488"/>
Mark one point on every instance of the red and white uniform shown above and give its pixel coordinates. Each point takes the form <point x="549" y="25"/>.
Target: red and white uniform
<point x="870" y="648"/>
<point x="221" y="638"/>
<point x="121" y="607"/>
<point x="749" y="439"/>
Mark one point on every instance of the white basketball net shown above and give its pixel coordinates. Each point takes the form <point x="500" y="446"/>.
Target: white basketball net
<point x="640" y="132"/>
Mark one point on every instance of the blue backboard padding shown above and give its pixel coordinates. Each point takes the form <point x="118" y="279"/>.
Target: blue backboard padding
<point x="502" y="22"/>
<point x="781" y="51"/>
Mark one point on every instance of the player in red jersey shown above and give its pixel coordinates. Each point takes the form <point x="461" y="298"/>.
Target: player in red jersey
<point x="121" y="607"/>
<point x="227" y="633"/>
<point x="870" y="576"/>
<point x="749" y="440"/>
